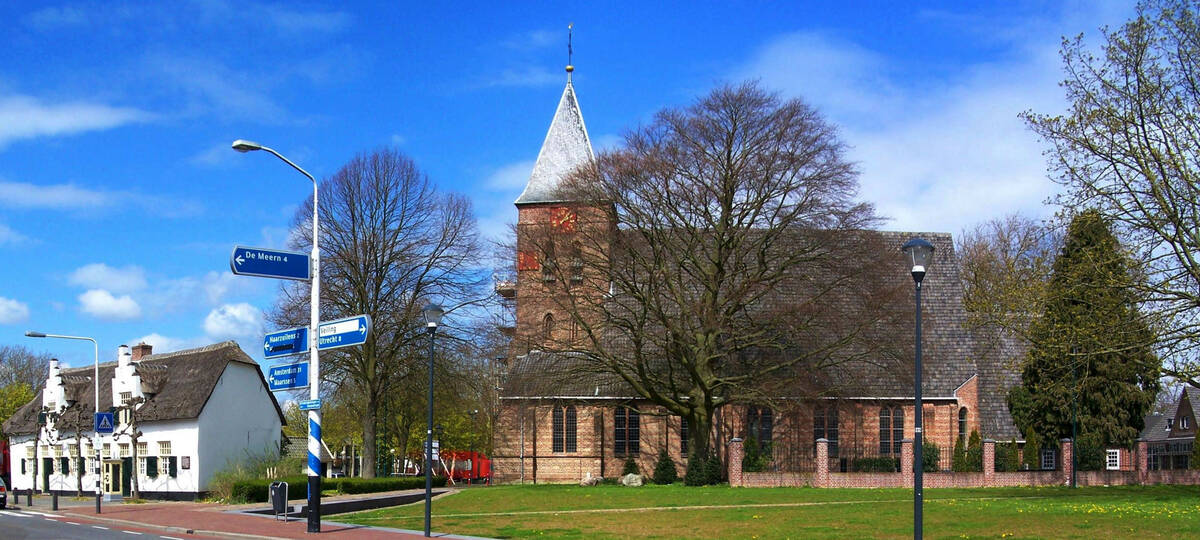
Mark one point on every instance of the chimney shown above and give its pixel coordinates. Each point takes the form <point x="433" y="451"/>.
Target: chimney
<point x="123" y="355"/>
<point x="54" y="372"/>
<point x="142" y="350"/>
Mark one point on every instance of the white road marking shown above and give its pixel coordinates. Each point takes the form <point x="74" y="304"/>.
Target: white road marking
<point x="171" y="538"/>
<point x="14" y="513"/>
<point x="131" y="532"/>
<point x="99" y="527"/>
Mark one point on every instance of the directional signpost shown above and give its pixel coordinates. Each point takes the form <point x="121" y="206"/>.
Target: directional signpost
<point x="285" y="343"/>
<point x="343" y="332"/>
<point x="288" y="376"/>
<point x="272" y="263"/>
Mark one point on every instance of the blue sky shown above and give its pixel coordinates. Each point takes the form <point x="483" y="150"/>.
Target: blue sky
<point x="120" y="199"/>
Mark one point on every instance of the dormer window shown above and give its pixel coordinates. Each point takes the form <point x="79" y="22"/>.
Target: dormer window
<point x="126" y="397"/>
<point x="1170" y="423"/>
<point x="1184" y="423"/>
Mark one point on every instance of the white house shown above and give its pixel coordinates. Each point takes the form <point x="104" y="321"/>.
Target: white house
<point x="197" y="411"/>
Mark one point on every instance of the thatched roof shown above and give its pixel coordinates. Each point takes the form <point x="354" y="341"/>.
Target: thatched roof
<point x="184" y="380"/>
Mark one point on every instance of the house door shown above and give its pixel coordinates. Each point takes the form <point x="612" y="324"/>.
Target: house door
<point x="112" y="477"/>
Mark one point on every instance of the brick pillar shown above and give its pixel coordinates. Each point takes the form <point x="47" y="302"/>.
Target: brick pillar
<point x="989" y="462"/>
<point x="1141" y="462"/>
<point x="735" y="462"/>
<point x="822" y="462"/>
<point x="1067" y="451"/>
<point x="906" y="461"/>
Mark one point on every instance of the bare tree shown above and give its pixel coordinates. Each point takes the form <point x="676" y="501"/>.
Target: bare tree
<point x="701" y="261"/>
<point x="390" y="242"/>
<point x="1129" y="147"/>
<point x="1006" y="265"/>
<point x="19" y="364"/>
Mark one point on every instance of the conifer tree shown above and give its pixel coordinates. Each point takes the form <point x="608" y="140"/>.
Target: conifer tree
<point x="1091" y="353"/>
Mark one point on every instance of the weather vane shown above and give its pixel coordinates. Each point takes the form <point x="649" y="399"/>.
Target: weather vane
<point x="570" y="51"/>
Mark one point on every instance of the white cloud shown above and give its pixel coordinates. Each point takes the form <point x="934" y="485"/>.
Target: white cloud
<point x="12" y="311"/>
<point x="102" y="276"/>
<point x="510" y="178"/>
<point x="215" y="156"/>
<point x="72" y="197"/>
<point x="398" y="139"/>
<point x="164" y="344"/>
<point x="233" y="321"/>
<point x="103" y="305"/>
<point x="941" y="154"/>
<point x="535" y="39"/>
<point x="10" y="236"/>
<point x="189" y="292"/>
<point x="24" y="117"/>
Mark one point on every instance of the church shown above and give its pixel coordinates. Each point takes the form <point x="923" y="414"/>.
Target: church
<point x="561" y="422"/>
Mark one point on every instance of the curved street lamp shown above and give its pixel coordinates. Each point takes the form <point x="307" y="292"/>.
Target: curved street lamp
<point x="919" y="254"/>
<point x="96" y="383"/>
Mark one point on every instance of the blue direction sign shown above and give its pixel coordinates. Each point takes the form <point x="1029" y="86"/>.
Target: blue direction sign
<point x="104" y="422"/>
<point x="286" y="342"/>
<point x="310" y="405"/>
<point x="343" y="332"/>
<point x="272" y="263"/>
<point x="287" y="376"/>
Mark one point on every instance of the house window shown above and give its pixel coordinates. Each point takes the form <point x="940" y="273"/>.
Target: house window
<point x="126" y="397"/>
<point x="124" y="448"/>
<point x="683" y="437"/>
<point x="1048" y="461"/>
<point x="58" y="451"/>
<point x="1184" y="423"/>
<point x="164" y="465"/>
<point x="73" y="451"/>
<point x="760" y="424"/>
<point x="142" y="466"/>
<point x="143" y="448"/>
<point x="164" y="448"/>
<point x="564" y="429"/>
<point x="29" y="450"/>
<point x="1170" y="423"/>
<point x="626" y="432"/>
<point x="891" y="430"/>
<point x="962" y="426"/>
<point x="1113" y="461"/>
<point x="825" y="426"/>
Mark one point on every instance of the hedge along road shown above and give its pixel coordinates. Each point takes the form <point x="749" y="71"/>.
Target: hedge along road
<point x="722" y="512"/>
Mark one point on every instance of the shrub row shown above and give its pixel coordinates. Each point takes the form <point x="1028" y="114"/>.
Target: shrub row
<point x="259" y="490"/>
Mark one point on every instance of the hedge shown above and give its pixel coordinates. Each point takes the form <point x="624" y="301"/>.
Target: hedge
<point x="259" y="490"/>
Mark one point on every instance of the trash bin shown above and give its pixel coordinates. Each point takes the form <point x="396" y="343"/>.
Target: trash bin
<point x="279" y="499"/>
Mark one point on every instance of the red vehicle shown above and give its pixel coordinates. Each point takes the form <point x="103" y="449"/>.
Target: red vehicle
<point x="466" y="466"/>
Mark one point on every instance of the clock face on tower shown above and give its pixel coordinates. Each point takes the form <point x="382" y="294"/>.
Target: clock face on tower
<point x="563" y="219"/>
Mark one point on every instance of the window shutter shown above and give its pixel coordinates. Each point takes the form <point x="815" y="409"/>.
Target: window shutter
<point x="152" y="467"/>
<point x="64" y="465"/>
<point x="171" y="470"/>
<point x="23" y="466"/>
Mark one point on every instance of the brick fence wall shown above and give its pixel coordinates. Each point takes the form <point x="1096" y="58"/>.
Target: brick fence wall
<point x="823" y="478"/>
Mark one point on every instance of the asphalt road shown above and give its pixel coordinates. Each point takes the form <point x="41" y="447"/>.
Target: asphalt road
<point x="17" y="524"/>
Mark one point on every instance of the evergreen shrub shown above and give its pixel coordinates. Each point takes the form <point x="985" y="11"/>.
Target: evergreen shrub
<point x="630" y="467"/>
<point x="664" y="469"/>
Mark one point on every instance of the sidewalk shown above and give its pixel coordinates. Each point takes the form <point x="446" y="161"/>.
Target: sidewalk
<point x="220" y="520"/>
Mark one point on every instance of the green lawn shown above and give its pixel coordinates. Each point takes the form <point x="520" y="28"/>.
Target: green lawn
<point x="1095" y="513"/>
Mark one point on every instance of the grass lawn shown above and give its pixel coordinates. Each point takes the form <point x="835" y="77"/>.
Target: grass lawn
<point x="1096" y="513"/>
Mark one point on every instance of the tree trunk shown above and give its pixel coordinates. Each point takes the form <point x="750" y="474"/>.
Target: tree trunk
<point x="79" y="468"/>
<point x="368" y="446"/>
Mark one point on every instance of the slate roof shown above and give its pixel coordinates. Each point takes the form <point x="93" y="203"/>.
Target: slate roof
<point x="1156" y="427"/>
<point x="948" y="354"/>
<point x="185" y="380"/>
<point x="566" y="147"/>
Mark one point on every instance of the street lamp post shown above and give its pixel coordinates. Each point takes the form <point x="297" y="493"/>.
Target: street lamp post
<point x="433" y="315"/>
<point x="96" y="384"/>
<point x="314" y="367"/>
<point x="919" y="253"/>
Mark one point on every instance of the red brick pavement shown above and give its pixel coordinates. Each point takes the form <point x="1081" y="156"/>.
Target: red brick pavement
<point x="218" y="520"/>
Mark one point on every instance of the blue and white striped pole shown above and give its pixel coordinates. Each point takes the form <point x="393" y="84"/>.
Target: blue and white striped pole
<point x="314" y="381"/>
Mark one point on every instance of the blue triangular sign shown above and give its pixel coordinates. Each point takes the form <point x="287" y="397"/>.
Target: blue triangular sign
<point x="105" y="423"/>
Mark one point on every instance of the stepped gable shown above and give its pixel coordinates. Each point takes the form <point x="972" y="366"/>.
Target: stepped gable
<point x="566" y="147"/>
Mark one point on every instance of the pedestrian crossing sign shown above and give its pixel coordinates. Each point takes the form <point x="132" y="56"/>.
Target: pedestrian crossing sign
<point x="104" y="422"/>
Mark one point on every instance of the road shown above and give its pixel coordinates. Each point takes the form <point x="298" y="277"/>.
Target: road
<point x="16" y="523"/>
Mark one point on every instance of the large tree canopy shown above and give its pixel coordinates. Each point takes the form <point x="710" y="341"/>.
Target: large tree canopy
<point x="736" y="230"/>
<point x="1091" y="357"/>
<point x="390" y="243"/>
<point x="1130" y="147"/>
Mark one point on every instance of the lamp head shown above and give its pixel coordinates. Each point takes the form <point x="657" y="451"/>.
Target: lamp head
<point x="31" y="333"/>
<point x="433" y="316"/>
<point x="242" y="145"/>
<point x="919" y="254"/>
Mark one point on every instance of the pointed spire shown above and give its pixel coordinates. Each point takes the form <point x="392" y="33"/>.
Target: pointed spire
<point x="567" y="146"/>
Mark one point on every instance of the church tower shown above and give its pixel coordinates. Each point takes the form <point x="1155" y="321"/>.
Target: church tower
<point x="555" y="235"/>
